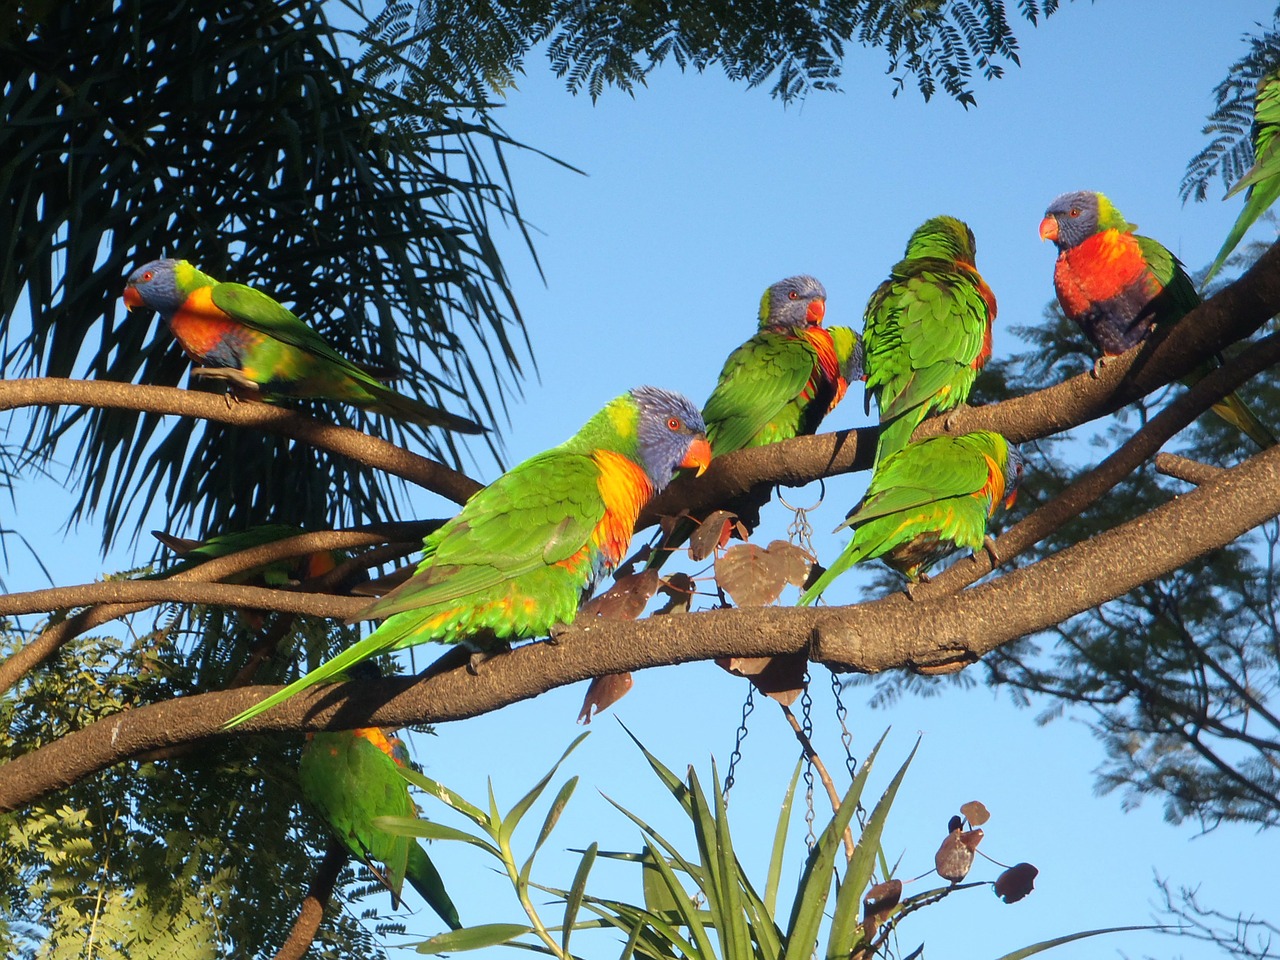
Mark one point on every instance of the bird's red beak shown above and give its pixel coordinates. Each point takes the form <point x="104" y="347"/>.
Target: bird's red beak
<point x="1049" y="228"/>
<point x="817" y="310"/>
<point x="132" y="298"/>
<point x="698" y="456"/>
<point x="1011" y="499"/>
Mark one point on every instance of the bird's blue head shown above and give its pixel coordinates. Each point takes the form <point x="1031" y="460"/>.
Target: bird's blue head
<point x="670" y="434"/>
<point x="154" y="286"/>
<point x="1014" y="465"/>
<point x="1076" y="216"/>
<point x="794" y="302"/>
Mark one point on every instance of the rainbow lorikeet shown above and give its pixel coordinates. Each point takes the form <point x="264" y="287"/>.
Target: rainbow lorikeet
<point x="519" y="558"/>
<point x="350" y="777"/>
<point x="241" y="335"/>
<point x="782" y="381"/>
<point x="1262" y="180"/>
<point x="282" y="573"/>
<point x="1118" y="286"/>
<point x="779" y="384"/>
<point x="926" y="501"/>
<point x="928" y="330"/>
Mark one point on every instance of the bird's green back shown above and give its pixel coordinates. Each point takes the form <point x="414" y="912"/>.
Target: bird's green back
<point x="757" y="399"/>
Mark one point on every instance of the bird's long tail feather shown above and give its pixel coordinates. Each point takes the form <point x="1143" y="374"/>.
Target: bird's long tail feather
<point x="370" y="646"/>
<point x="1237" y="413"/>
<point x="397" y="405"/>
<point x="424" y="877"/>
<point x="852" y="554"/>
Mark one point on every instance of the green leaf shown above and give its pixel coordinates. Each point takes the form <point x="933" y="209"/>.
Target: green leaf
<point x="522" y="806"/>
<point x="845" y="923"/>
<point x="687" y="911"/>
<point x="1035" y="948"/>
<point x="446" y="796"/>
<point x="657" y="895"/>
<point x="815" y="887"/>
<point x="417" y="827"/>
<point x="780" y="841"/>
<point x="673" y="783"/>
<point x="574" y="900"/>
<point x="474" y="938"/>
<point x="629" y="948"/>
<point x="664" y="934"/>
<point x="549" y="824"/>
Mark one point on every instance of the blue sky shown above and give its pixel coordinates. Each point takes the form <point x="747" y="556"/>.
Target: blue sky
<point x="698" y="194"/>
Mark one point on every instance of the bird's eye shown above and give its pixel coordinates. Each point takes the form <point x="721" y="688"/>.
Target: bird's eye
<point x="793" y="295"/>
<point x="673" y="423"/>
<point x="1073" y="212"/>
<point x="148" y="276"/>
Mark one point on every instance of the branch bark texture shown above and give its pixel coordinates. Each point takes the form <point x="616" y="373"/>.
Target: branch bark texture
<point x="928" y="635"/>
<point x="370" y="451"/>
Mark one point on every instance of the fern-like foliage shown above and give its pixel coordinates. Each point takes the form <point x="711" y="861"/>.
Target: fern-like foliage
<point x="245" y="136"/>
<point x="197" y="855"/>
<point x="1229" y="152"/>
<point x="794" y="47"/>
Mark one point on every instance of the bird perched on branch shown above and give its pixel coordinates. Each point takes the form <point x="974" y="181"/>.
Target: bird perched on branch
<point x="1118" y="286"/>
<point x="350" y="777"/>
<point x="519" y="558"/>
<point x="928" y="331"/>
<point x="778" y="384"/>
<point x="926" y="501"/>
<point x="241" y="335"/>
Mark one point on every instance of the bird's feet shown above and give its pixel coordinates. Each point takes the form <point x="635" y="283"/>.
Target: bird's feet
<point x="1098" y="366"/>
<point x="483" y="656"/>
<point x="236" y="377"/>
<point x="989" y="545"/>
<point x="913" y="585"/>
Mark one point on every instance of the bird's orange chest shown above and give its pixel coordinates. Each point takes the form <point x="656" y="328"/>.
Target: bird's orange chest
<point x="827" y="369"/>
<point x="989" y="298"/>
<point x="201" y="326"/>
<point x="625" y="489"/>
<point x="1099" y="268"/>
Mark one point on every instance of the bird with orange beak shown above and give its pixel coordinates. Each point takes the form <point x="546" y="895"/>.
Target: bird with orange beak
<point x="527" y="549"/>
<point x="1118" y="286"/>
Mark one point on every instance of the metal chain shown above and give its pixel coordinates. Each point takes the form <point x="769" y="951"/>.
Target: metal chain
<point x="800" y="532"/>
<point x="806" y="724"/>
<point x="734" y="757"/>
<point x="846" y="738"/>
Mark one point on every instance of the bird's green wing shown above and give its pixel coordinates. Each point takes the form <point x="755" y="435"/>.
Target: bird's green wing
<point x="922" y="326"/>
<point x="1179" y="295"/>
<point x="757" y="382"/>
<point x="926" y="472"/>
<point x="258" y="311"/>
<point x="349" y="781"/>
<point x="536" y="514"/>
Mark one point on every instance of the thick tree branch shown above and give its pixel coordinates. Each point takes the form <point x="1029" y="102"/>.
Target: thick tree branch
<point x="894" y="632"/>
<point x="312" y="911"/>
<point x="957" y="630"/>
<point x="170" y="589"/>
<point x="1092" y="486"/>
<point x="360" y="447"/>
<point x="1236" y="312"/>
